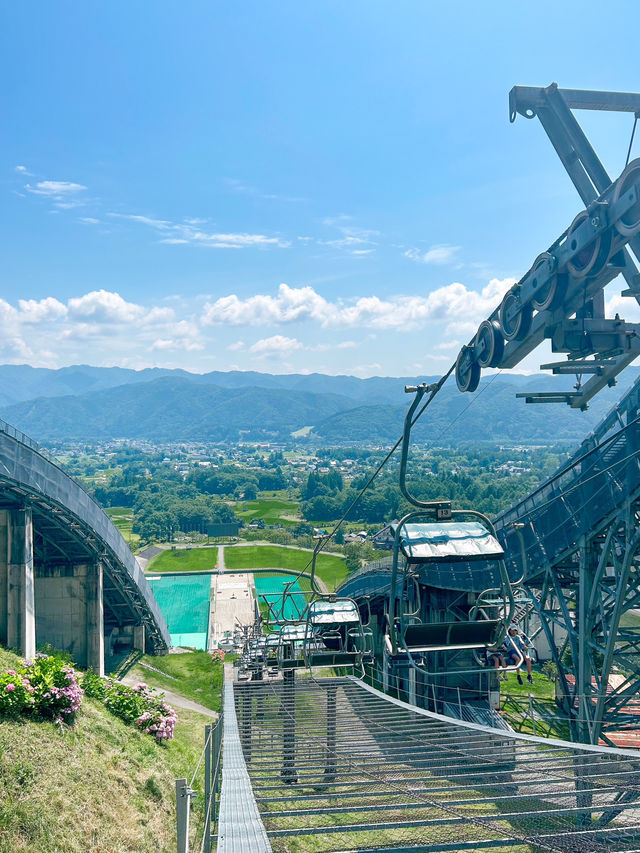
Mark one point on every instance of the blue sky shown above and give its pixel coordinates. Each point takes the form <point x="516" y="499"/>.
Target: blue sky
<point x="284" y="186"/>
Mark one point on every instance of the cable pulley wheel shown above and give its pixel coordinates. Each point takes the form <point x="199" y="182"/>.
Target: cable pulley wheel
<point x="629" y="222"/>
<point x="489" y="344"/>
<point x="467" y="370"/>
<point x="591" y="259"/>
<point x="549" y="295"/>
<point x="515" y="318"/>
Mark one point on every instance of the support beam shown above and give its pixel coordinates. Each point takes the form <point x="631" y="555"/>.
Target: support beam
<point x="17" y="622"/>
<point x="95" y="618"/>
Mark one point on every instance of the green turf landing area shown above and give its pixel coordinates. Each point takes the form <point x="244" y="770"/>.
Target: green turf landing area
<point x="273" y="585"/>
<point x="184" y="603"/>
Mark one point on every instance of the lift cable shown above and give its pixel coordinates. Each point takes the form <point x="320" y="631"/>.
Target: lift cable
<point x="633" y="132"/>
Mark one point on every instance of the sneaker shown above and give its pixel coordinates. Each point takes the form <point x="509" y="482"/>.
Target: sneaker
<point x="504" y="676"/>
<point x="530" y="679"/>
<point x="519" y="679"/>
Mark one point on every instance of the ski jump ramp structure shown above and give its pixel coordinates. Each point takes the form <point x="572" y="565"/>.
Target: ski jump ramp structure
<point x="67" y="577"/>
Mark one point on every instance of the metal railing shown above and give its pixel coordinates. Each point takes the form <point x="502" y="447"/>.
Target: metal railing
<point x="212" y="756"/>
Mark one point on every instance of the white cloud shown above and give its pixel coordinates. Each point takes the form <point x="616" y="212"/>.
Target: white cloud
<point x="278" y="345"/>
<point x="626" y="308"/>
<point x="89" y="220"/>
<point x="364" y="370"/>
<point x="353" y="239"/>
<point x="236" y="346"/>
<point x="398" y="312"/>
<point x="161" y="224"/>
<point x="189" y="232"/>
<point x="159" y="315"/>
<point x="104" y="306"/>
<point x="440" y="255"/>
<point x="165" y="344"/>
<point x="22" y="170"/>
<point x="290" y="305"/>
<point x="55" y="188"/>
<point x="233" y="241"/>
<point x="37" y="311"/>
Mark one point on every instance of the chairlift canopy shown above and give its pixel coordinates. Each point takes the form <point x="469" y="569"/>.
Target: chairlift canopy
<point x="454" y="540"/>
<point x="333" y="612"/>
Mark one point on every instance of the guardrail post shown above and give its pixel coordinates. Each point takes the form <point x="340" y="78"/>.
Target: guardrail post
<point x="183" y="798"/>
<point x="208" y="744"/>
<point x="217" y="761"/>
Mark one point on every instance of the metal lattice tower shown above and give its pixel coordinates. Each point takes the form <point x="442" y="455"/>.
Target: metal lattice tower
<point x="576" y="540"/>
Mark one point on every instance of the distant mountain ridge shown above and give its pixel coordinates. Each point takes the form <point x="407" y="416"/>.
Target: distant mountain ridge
<point x="97" y="403"/>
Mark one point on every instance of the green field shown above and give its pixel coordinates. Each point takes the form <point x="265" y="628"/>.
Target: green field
<point x="185" y="560"/>
<point x="122" y="517"/>
<point x="331" y="568"/>
<point x="271" y="510"/>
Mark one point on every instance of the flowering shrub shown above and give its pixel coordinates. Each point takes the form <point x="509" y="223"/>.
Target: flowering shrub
<point x="217" y="655"/>
<point x="139" y="706"/>
<point x="45" y="687"/>
<point x="56" y="691"/>
<point x="15" y="694"/>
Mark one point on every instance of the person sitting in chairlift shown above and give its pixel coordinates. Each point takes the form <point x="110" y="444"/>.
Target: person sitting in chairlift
<point x="497" y="661"/>
<point x="518" y="644"/>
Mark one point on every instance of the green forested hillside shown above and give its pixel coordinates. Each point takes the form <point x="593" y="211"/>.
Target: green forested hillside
<point x="341" y="409"/>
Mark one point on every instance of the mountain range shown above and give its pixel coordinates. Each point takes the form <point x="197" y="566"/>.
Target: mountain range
<point x="96" y="403"/>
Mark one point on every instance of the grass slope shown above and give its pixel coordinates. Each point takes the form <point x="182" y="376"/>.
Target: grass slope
<point x="122" y="517"/>
<point x="331" y="568"/>
<point x="192" y="675"/>
<point x="272" y="511"/>
<point x="185" y="560"/>
<point x="99" y="787"/>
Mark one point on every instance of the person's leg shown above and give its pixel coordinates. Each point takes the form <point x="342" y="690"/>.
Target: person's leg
<point x="527" y="661"/>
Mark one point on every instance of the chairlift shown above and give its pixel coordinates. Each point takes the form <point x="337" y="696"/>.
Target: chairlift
<point x="290" y="642"/>
<point x="447" y="548"/>
<point x="335" y="635"/>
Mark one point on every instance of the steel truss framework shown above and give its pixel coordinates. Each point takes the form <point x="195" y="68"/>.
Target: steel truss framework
<point x="577" y="540"/>
<point x="561" y="297"/>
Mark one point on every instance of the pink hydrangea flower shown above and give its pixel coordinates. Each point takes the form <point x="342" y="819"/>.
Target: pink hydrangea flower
<point x="10" y="687"/>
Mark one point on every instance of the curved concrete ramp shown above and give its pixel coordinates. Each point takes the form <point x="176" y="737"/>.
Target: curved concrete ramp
<point x="66" y="573"/>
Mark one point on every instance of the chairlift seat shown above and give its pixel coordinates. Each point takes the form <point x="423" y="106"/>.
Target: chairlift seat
<point x="450" y="636"/>
<point x="330" y="658"/>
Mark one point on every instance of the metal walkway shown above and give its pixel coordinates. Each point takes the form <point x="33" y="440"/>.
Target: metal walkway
<point x="335" y="765"/>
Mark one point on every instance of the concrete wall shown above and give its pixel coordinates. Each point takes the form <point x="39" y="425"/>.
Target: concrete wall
<point x="69" y="608"/>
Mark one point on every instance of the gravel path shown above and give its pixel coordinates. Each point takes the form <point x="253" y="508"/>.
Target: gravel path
<point x="174" y="698"/>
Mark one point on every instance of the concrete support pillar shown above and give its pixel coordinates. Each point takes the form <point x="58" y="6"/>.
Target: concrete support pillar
<point x="139" y="638"/>
<point x="95" y="618"/>
<point x="4" y="563"/>
<point x="20" y="601"/>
